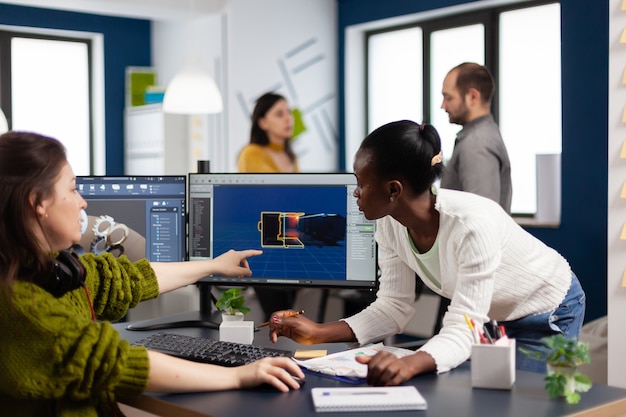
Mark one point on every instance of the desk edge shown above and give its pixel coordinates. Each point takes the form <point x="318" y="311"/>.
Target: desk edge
<point x="612" y="409"/>
<point x="159" y="407"/>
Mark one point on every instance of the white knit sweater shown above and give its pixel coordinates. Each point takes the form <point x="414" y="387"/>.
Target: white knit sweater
<point x="490" y="267"/>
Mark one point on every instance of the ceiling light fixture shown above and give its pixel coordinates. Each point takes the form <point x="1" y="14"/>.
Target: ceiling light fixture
<point x="192" y="91"/>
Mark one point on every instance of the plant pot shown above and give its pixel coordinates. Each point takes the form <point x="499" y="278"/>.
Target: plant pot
<point x="239" y="331"/>
<point x="238" y="316"/>
<point x="567" y="371"/>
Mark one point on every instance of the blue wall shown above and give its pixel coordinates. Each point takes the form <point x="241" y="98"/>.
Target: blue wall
<point x="582" y="236"/>
<point x="126" y="43"/>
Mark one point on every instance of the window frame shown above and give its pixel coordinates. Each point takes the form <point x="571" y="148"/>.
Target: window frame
<point x="6" y="36"/>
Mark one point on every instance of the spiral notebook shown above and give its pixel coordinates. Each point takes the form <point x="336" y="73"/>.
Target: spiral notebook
<point x="367" y="399"/>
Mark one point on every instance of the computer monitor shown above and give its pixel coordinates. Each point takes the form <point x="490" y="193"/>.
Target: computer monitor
<point x="138" y="216"/>
<point x="308" y="225"/>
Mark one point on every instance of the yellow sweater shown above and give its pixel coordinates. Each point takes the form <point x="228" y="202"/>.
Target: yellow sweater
<point x="254" y="158"/>
<point x="55" y="361"/>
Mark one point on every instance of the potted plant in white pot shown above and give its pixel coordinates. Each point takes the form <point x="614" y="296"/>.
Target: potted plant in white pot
<point x="563" y="356"/>
<point x="233" y="327"/>
<point x="231" y="304"/>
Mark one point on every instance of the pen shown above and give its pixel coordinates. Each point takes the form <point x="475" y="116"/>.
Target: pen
<point x="502" y="331"/>
<point x="495" y="329"/>
<point x="294" y="314"/>
<point x="481" y="336"/>
<point x="488" y="336"/>
<point x="365" y="392"/>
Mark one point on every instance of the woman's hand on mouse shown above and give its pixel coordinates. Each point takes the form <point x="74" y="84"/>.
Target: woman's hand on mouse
<point x="277" y="372"/>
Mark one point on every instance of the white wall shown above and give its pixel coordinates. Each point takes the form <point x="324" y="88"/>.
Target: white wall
<point x="251" y="48"/>
<point x="287" y="46"/>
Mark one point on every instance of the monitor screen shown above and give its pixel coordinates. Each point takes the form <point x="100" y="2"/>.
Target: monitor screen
<point x="308" y="225"/>
<point x="138" y="216"/>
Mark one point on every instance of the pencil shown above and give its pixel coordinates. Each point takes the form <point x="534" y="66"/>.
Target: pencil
<point x="471" y="327"/>
<point x="294" y="314"/>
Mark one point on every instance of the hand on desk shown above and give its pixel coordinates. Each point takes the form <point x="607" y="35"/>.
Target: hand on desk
<point x="386" y="369"/>
<point x="282" y="373"/>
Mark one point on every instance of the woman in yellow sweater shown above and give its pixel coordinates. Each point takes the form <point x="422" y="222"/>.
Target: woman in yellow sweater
<point x="60" y="356"/>
<point x="269" y="149"/>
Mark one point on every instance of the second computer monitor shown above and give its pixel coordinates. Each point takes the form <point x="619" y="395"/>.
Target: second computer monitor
<point x="308" y="225"/>
<point x="136" y="216"/>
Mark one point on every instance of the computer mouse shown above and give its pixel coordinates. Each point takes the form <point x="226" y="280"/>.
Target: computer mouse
<point x="268" y="387"/>
<point x="300" y="381"/>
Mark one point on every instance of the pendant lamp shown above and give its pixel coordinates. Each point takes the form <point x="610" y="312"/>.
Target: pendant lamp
<point x="192" y="91"/>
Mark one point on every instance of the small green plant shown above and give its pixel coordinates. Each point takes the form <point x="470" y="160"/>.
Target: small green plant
<point x="232" y="301"/>
<point x="563" y="357"/>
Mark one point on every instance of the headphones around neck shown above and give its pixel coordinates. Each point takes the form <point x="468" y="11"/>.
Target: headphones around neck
<point x="67" y="274"/>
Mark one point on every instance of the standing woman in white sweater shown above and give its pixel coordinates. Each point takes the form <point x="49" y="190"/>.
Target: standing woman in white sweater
<point x="463" y="246"/>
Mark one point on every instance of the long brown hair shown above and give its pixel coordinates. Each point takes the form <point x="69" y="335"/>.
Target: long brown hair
<point x="258" y="135"/>
<point x="29" y="166"/>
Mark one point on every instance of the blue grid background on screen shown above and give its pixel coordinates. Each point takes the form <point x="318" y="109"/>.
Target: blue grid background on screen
<point x="237" y="213"/>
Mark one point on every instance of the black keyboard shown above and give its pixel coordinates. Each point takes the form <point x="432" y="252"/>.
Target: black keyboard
<point x="200" y="349"/>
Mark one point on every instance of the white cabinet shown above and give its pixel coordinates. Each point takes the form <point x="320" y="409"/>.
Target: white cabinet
<point x="154" y="142"/>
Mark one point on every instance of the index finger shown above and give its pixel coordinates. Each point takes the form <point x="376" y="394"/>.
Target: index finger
<point x="251" y="252"/>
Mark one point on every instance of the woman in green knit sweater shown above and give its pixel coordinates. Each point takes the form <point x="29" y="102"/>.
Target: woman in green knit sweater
<point x="59" y="354"/>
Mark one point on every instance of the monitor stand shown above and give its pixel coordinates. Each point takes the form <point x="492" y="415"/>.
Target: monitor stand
<point x="206" y="318"/>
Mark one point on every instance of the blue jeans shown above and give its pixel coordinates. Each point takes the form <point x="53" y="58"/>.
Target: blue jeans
<point x="567" y="319"/>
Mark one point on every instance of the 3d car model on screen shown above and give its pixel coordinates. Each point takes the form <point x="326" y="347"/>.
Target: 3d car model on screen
<point x="298" y="229"/>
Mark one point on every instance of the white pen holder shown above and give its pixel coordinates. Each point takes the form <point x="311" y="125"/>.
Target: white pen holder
<point x="237" y="331"/>
<point x="493" y="365"/>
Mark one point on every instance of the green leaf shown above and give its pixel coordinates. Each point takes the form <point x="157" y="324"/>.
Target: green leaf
<point x="555" y="385"/>
<point x="582" y="383"/>
<point x="572" y="397"/>
<point x="232" y="301"/>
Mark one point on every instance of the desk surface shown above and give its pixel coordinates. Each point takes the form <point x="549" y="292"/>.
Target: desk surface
<point x="448" y="394"/>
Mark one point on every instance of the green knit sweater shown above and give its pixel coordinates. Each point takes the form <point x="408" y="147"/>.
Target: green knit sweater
<point x="55" y="360"/>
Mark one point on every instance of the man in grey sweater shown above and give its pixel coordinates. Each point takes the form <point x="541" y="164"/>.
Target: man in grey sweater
<point x="479" y="163"/>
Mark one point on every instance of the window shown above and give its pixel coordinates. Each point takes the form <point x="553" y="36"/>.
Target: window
<point x="462" y="44"/>
<point x="530" y="112"/>
<point x="398" y="97"/>
<point x="46" y="89"/>
<point x="519" y="43"/>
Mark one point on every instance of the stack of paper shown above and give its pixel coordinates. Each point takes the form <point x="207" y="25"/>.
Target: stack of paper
<point x="343" y="366"/>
